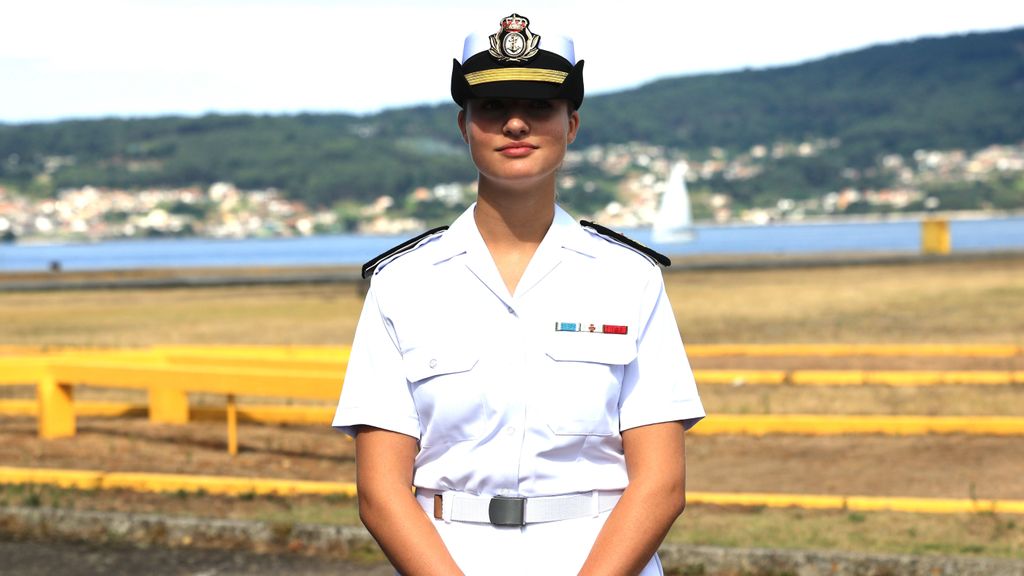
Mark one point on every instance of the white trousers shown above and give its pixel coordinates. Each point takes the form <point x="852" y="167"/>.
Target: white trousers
<point x="542" y="549"/>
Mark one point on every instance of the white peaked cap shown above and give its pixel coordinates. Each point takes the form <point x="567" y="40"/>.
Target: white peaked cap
<point x="477" y="42"/>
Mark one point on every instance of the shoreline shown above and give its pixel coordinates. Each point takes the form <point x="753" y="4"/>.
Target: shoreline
<point x="195" y="277"/>
<point x="811" y="220"/>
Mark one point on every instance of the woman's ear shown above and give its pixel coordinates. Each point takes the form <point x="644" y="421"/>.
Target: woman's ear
<point x="462" y="125"/>
<point x="574" y="127"/>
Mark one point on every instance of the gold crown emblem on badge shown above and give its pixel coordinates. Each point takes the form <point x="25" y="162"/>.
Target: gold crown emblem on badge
<point x="515" y="23"/>
<point x="514" y="42"/>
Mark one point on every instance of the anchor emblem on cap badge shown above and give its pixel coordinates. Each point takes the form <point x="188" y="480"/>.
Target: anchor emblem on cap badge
<point x="514" y="42"/>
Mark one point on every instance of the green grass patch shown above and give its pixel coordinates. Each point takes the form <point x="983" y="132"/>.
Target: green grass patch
<point x="277" y="510"/>
<point x="982" y="534"/>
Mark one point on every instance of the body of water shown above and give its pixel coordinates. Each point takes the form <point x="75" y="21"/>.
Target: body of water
<point x="1004" y="233"/>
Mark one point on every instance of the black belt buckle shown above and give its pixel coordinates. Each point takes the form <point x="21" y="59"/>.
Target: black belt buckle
<point x="507" y="511"/>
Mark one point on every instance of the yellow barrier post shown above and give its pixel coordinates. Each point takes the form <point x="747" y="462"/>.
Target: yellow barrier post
<point x="935" y="236"/>
<point x="232" y="410"/>
<point x="168" y="406"/>
<point x="56" y="409"/>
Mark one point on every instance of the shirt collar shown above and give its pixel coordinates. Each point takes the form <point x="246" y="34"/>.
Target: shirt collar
<point x="459" y="236"/>
<point x="463" y="236"/>
<point x="570" y="234"/>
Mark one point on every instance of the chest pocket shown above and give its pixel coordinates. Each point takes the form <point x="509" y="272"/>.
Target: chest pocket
<point x="585" y="380"/>
<point x="612" y="349"/>
<point x="446" y="391"/>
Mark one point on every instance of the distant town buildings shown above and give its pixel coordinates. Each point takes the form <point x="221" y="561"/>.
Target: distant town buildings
<point x="637" y="171"/>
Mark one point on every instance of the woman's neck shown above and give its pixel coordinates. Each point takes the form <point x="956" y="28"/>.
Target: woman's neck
<point x="514" y="215"/>
<point x="512" y="223"/>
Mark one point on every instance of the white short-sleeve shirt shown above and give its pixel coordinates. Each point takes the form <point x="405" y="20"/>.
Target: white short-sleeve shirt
<point x="524" y="394"/>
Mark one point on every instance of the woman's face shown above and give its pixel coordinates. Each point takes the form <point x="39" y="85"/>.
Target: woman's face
<point x="518" y="142"/>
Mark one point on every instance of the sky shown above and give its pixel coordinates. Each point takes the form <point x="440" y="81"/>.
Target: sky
<point x="64" y="59"/>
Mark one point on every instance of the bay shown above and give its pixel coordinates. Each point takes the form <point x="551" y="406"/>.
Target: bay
<point x="893" y="236"/>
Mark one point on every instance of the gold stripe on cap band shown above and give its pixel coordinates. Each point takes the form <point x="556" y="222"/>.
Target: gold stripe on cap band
<point x="506" y="74"/>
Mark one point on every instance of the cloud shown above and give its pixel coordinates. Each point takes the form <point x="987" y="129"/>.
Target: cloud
<point x="70" y="58"/>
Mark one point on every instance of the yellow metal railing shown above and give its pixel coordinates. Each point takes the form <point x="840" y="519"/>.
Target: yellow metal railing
<point x="951" y="350"/>
<point x="894" y="378"/>
<point x="169" y="387"/>
<point x="834" y="425"/>
<point x="170" y="373"/>
<point x="238" y="486"/>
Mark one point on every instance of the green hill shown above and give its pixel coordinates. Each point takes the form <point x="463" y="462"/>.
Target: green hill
<point x="940" y="93"/>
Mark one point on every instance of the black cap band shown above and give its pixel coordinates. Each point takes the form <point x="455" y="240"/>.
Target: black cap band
<point x="518" y="82"/>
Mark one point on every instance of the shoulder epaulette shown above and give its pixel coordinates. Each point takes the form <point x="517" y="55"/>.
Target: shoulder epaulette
<point x="409" y="244"/>
<point x="628" y="242"/>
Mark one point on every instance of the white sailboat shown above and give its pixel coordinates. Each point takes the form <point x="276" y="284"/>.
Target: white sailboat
<point x="674" y="222"/>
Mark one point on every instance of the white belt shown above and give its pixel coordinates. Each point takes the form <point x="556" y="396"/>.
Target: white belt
<point x="514" y="511"/>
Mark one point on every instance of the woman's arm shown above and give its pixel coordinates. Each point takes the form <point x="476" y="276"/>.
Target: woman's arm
<point x="388" y="508"/>
<point x="654" y="498"/>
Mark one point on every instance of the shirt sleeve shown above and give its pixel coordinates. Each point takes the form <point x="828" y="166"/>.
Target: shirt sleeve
<point x="375" y="391"/>
<point x="658" y="385"/>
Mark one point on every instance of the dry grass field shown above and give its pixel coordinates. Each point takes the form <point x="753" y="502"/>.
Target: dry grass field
<point x="319" y="314"/>
<point x="973" y="301"/>
<point x="978" y="301"/>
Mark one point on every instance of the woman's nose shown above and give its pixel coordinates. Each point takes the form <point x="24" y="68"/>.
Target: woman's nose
<point x="516" y="124"/>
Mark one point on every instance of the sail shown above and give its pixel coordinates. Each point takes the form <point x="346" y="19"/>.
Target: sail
<point x="674" y="222"/>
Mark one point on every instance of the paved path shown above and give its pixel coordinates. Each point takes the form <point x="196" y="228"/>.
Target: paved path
<point x="33" y="558"/>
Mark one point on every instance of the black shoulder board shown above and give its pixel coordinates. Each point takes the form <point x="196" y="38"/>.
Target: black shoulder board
<point x="657" y="256"/>
<point x="370" y="266"/>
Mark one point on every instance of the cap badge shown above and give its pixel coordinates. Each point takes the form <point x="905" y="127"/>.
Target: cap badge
<point x="514" y="42"/>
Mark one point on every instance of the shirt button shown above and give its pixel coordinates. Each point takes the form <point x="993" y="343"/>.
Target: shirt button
<point x="433" y="362"/>
<point x="510" y="430"/>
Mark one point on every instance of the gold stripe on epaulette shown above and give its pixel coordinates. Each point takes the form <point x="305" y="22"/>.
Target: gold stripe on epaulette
<point x="506" y="74"/>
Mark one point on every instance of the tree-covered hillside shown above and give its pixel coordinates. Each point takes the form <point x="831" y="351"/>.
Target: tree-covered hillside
<point x="942" y="93"/>
<point x="954" y="92"/>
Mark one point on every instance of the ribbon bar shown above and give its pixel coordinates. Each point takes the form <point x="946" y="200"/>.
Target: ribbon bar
<point x="592" y="328"/>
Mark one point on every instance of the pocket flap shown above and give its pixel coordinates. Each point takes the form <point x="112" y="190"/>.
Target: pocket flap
<point x="597" y="348"/>
<point x="425" y="362"/>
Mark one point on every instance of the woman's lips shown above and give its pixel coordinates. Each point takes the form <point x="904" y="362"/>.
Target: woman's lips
<point x="517" y="149"/>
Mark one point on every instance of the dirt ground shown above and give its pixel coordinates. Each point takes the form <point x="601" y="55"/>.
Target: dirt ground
<point x="27" y="558"/>
<point x="951" y="466"/>
<point x="966" y="302"/>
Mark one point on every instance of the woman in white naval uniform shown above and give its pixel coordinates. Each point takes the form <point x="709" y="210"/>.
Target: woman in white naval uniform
<point x="522" y="371"/>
